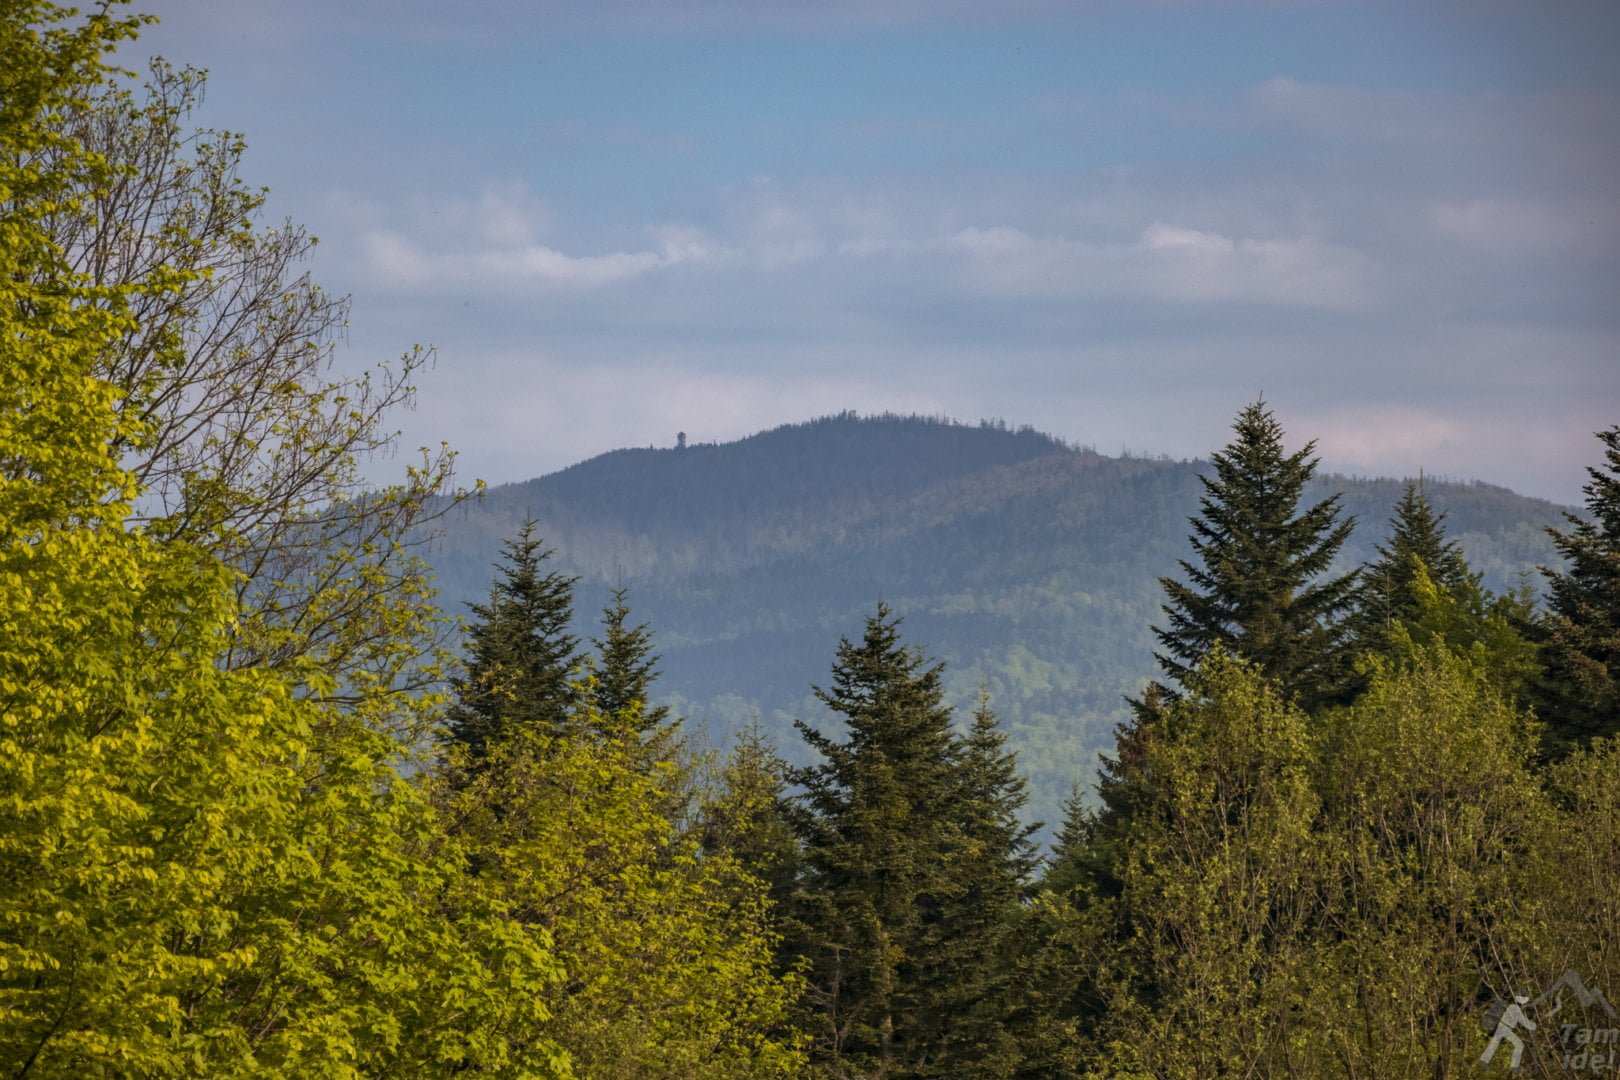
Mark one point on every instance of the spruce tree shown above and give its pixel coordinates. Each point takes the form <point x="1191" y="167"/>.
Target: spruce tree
<point x="744" y="816"/>
<point x="911" y="856"/>
<point x="1259" y="592"/>
<point x="1259" y="587"/>
<point x="1074" y="848"/>
<point x="520" y="657"/>
<point x="980" y="1017"/>
<point x="1415" y="532"/>
<point x="625" y="670"/>
<point x="1579" y="634"/>
<point x="1421" y="592"/>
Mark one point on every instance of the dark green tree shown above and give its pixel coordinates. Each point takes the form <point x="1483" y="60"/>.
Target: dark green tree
<point x="1260" y="587"/>
<point x="1259" y="591"/>
<point x="1073" y="848"/>
<point x="1388" y="593"/>
<point x="982" y="1019"/>
<point x="625" y="669"/>
<point x="911" y="859"/>
<point x="520" y="658"/>
<point x="1579" y="633"/>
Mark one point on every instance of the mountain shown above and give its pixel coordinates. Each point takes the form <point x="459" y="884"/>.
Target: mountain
<point x="1031" y="567"/>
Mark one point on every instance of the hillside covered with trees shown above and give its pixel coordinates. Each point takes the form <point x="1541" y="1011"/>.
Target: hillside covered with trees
<point x="266" y="811"/>
<point x="1029" y="566"/>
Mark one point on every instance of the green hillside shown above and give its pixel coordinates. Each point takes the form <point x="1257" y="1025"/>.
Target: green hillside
<point x="1030" y="567"/>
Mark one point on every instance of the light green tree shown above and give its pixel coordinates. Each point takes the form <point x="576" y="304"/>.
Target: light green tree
<point x="1431" y="815"/>
<point x="247" y="445"/>
<point x="1198" y="956"/>
<point x="667" y="951"/>
<point x="205" y="868"/>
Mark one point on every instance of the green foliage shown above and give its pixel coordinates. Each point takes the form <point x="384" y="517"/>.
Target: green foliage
<point x="1421" y="592"/>
<point x="1030" y="568"/>
<point x="1579" y="634"/>
<point x="665" y="954"/>
<point x="625" y="668"/>
<point x="1471" y="623"/>
<point x="1432" y="816"/>
<point x="1258" y="589"/>
<point x="521" y="659"/>
<point x="208" y="869"/>
<point x="742" y="815"/>
<point x="1216" y="882"/>
<point x="911" y="864"/>
<point x="1388" y="594"/>
<point x="1333" y="898"/>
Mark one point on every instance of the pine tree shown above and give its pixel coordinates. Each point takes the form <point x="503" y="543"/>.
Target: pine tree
<point x="979" y="1016"/>
<point x="626" y="669"/>
<point x="1258" y="593"/>
<point x="1579" y="635"/>
<point x="912" y="855"/>
<point x="1258" y="589"/>
<point x="520" y="656"/>
<point x="1387" y="591"/>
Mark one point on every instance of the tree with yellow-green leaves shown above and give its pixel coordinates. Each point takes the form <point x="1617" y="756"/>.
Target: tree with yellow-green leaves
<point x="248" y="445"/>
<point x="205" y="869"/>
<point x="666" y="951"/>
<point x="1195" y="961"/>
<point x="562" y="814"/>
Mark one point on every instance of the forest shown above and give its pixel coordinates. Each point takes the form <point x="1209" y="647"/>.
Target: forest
<point x="266" y="810"/>
<point x="1030" y="568"/>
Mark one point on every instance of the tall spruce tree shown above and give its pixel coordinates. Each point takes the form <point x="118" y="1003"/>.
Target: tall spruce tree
<point x="1259" y="587"/>
<point x="1416" y="531"/>
<point x="520" y="656"/>
<point x="911" y="857"/>
<point x="1579" y="634"/>
<point x="981" y="1019"/>
<point x="1259" y="591"/>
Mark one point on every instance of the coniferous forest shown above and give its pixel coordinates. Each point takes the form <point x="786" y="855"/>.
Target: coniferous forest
<point x="266" y="810"/>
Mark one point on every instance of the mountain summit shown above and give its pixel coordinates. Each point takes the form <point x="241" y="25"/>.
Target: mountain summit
<point x="1030" y="566"/>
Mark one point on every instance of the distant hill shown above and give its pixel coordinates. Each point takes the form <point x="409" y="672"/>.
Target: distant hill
<point x="1029" y="566"/>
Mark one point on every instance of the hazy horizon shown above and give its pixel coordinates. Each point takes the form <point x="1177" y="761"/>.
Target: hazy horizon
<point x="1115" y="221"/>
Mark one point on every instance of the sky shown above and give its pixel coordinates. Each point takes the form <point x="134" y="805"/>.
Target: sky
<point x="1118" y="222"/>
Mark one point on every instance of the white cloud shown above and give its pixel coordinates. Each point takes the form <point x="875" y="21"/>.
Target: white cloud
<point x="1169" y="263"/>
<point x="1513" y="226"/>
<point x="396" y="260"/>
<point x="1382" y="439"/>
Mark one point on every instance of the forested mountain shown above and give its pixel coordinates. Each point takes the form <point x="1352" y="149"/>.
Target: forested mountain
<point x="237" y="838"/>
<point x="1030" y="566"/>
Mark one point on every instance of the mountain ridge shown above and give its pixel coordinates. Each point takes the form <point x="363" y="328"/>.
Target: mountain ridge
<point x="1030" y="566"/>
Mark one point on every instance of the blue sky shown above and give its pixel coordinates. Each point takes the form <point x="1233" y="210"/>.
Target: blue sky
<point x="1118" y="222"/>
